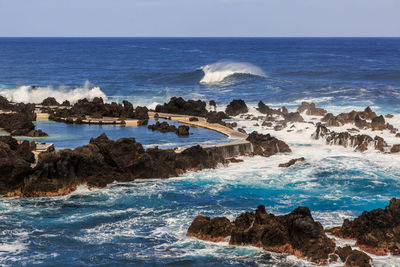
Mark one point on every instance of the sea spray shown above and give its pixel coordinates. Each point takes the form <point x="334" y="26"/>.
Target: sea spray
<point x="217" y="72"/>
<point x="29" y="94"/>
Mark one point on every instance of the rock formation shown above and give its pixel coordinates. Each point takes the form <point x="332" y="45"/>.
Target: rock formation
<point x="311" y="109"/>
<point x="359" y="142"/>
<point x="291" y="162"/>
<point x="18" y="124"/>
<point x="295" y="233"/>
<point x="266" y="145"/>
<point x="376" y="231"/>
<point x="97" y="164"/>
<point x="236" y="107"/>
<point x="164" y="127"/>
<point x="177" y="105"/>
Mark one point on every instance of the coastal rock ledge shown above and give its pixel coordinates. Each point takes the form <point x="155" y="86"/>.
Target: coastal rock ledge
<point x="296" y="233"/>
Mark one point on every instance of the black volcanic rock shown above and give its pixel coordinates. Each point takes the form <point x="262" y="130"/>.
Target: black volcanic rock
<point x="164" y="127"/>
<point x="378" y="123"/>
<point x="291" y="162"/>
<point x="293" y="117"/>
<point x="217" y="117"/>
<point x="177" y="105"/>
<point x="97" y="164"/>
<point x="14" y="165"/>
<point x="311" y="109"/>
<point x="50" y="101"/>
<point x="295" y="233"/>
<point x="98" y="109"/>
<point x="353" y="258"/>
<point x="359" y="142"/>
<point x="236" y="107"/>
<point x="266" y="145"/>
<point x="376" y="231"/>
<point x="264" y="109"/>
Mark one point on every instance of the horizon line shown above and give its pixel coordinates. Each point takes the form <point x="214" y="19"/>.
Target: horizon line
<point x="199" y="37"/>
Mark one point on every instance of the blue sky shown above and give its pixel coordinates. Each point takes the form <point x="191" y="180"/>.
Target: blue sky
<point x="200" y="18"/>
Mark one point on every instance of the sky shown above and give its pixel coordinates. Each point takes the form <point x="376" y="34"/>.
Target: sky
<point x="199" y="18"/>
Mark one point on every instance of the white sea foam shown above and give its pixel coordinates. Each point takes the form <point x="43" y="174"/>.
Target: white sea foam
<point x="28" y="95"/>
<point x="217" y="72"/>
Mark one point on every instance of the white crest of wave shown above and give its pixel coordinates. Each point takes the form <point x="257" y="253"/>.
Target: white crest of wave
<point x="218" y="71"/>
<point x="26" y="94"/>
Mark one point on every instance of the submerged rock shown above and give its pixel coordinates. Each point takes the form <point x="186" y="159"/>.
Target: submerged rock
<point x="291" y="162"/>
<point x="236" y="107"/>
<point x="295" y="233"/>
<point x="266" y="145"/>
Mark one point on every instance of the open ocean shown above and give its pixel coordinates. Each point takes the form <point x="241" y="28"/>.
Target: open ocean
<point x="144" y="223"/>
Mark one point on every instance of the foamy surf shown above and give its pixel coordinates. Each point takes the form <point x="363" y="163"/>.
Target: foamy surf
<point x="27" y="94"/>
<point x="219" y="71"/>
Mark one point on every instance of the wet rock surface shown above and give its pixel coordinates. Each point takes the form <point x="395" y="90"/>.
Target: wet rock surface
<point x="353" y="258"/>
<point x="50" y="101"/>
<point x="98" y="109"/>
<point x="15" y="160"/>
<point x="236" y="107"/>
<point x="376" y="231"/>
<point x="177" y="105"/>
<point x="97" y="164"/>
<point x="267" y="145"/>
<point x="359" y="142"/>
<point x="295" y="233"/>
<point x="18" y="124"/>
<point x="311" y="109"/>
<point x="164" y="127"/>
<point x="291" y="162"/>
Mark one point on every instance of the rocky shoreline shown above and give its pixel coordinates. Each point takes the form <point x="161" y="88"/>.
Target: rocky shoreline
<point x="104" y="161"/>
<point x="297" y="233"/>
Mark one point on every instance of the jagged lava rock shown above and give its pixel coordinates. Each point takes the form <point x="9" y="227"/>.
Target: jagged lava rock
<point x="291" y="162"/>
<point x="295" y="233"/>
<point x="353" y="258"/>
<point x="177" y="105"/>
<point x="311" y="109"/>
<point x="236" y="107"/>
<point x="376" y="231"/>
<point x="50" y="101"/>
<point x="267" y="145"/>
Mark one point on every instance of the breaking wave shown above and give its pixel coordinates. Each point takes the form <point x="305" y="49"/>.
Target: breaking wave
<point x="219" y="71"/>
<point x="29" y="94"/>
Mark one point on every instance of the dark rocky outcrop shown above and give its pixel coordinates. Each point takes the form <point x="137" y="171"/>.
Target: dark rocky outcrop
<point x="97" y="164"/>
<point x="217" y="117"/>
<point x="266" y="145"/>
<point x="18" y="124"/>
<point x="236" y="107"/>
<point x="395" y="148"/>
<point x="50" y="101"/>
<point x="215" y="230"/>
<point x="164" y="127"/>
<point x="359" y="142"/>
<point x="378" y="123"/>
<point x="15" y="162"/>
<point x="295" y="233"/>
<point x="376" y="231"/>
<point x="264" y="109"/>
<point x="311" y="109"/>
<point x="353" y="258"/>
<point x="177" y="105"/>
<point x="293" y="117"/>
<point x="98" y="109"/>
<point x="291" y="162"/>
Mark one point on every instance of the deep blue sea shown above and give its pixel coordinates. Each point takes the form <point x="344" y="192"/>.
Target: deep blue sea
<point x="144" y="223"/>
